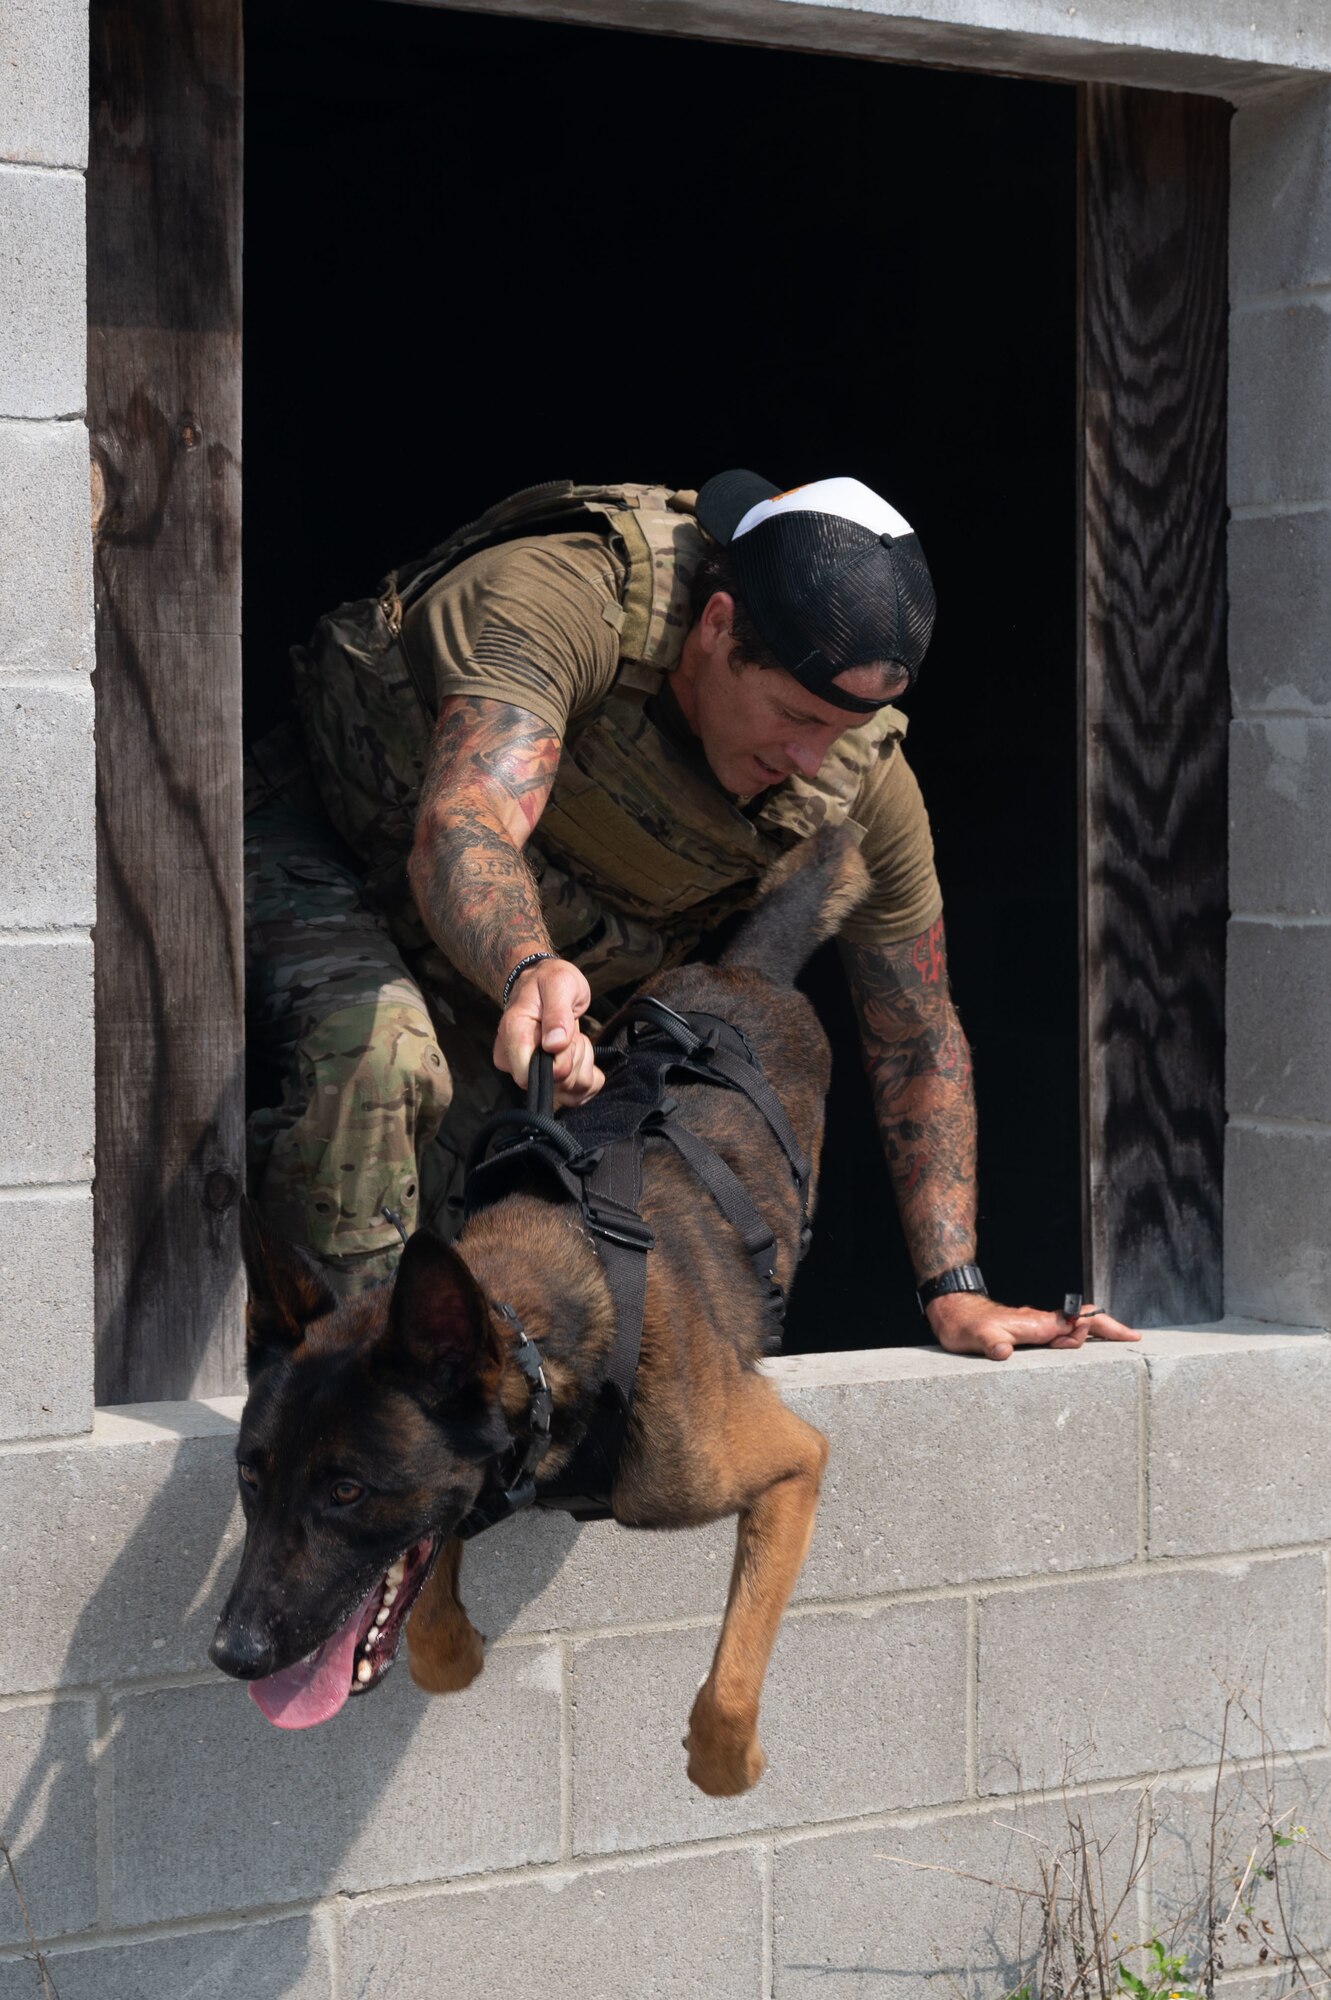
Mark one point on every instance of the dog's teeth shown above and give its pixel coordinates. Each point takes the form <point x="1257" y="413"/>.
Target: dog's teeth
<point x="396" y="1571"/>
<point x="381" y="1616"/>
<point x="364" y="1671"/>
<point x="390" y="1595"/>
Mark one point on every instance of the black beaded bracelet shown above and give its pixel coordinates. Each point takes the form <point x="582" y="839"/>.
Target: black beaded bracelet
<point x="523" y="965"/>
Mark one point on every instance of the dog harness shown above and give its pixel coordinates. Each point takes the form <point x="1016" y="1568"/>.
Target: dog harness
<point x="592" y="1156"/>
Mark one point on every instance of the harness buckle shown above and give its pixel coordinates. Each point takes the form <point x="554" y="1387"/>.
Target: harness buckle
<point x="620" y="1225"/>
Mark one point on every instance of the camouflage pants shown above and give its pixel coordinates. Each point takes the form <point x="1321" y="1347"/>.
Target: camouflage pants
<point x="380" y="1080"/>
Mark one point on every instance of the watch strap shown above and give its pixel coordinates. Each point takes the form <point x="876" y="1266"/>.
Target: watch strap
<point x="960" y="1278"/>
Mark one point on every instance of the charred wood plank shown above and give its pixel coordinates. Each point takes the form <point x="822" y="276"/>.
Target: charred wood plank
<point x="1154" y="697"/>
<point x="164" y="233"/>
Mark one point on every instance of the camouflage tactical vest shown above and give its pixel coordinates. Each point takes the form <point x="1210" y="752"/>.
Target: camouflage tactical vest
<point x="637" y="853"/>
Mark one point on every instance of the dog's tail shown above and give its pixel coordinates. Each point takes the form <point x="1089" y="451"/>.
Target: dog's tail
<point x="805" y="898"/>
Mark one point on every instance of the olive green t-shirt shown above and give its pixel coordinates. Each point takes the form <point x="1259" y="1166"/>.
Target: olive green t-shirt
<point x="533" y="623"/>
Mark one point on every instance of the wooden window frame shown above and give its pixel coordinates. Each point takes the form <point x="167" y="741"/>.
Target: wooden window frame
<point x="164" y="282"/>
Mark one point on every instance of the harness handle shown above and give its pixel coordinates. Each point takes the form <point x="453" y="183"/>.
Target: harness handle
<point x="541" y="1085"/>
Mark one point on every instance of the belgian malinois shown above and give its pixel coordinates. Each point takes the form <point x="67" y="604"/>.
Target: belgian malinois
<point x="371" y="1422"/>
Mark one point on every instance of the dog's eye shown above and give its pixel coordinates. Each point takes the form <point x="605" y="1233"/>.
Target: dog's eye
<point x="248" y="1476"/>
<point x="345" y="1491"/>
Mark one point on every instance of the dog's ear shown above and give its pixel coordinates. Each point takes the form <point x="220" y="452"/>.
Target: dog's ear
<point x="439" y="1326"/>
<point x="287" y="1293"/>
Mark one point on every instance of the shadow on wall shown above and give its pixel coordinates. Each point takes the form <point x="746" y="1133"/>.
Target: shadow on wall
<point x="203" y="1809"/>
<point x="206" y="1816"/>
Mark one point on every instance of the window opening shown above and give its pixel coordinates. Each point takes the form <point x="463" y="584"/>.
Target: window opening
<point x="480" y="252"/>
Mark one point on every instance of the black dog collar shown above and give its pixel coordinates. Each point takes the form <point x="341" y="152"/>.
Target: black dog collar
<point x="513" y="1486"/>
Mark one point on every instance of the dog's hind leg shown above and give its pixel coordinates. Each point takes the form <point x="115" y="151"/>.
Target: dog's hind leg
<point x="780" y="1460"/>
<point x="444" y="1649"/>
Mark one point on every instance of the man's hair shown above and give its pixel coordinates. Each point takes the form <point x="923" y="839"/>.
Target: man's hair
<point x="717" y="572"/>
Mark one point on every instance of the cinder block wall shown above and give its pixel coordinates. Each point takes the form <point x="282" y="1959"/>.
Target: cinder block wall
<point x="1009" y="1563"/>
<point x="1278" y="1169"/>
<point x="47" y="862"/>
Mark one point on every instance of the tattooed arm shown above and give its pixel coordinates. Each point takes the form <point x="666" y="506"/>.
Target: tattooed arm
<point x="489" y="776"/>
<point x="919" y="1069"/>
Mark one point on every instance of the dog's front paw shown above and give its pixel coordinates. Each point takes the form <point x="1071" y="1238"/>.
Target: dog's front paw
<point x="445" y="1660"/>
<point x="725" y="1756"/>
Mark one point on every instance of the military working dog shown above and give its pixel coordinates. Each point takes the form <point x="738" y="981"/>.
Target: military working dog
<point x="371" y="1422"/>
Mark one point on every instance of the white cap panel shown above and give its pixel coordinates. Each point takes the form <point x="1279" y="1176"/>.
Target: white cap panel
<point x="850" y="499"/>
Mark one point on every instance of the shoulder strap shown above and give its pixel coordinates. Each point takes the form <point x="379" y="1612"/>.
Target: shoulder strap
<point x="653" y="529"/>
<point x="727" y="1191"/>
<point x="533" y="510"/>
<point x="614" y="1190"/>
<point x="663" y="545"/>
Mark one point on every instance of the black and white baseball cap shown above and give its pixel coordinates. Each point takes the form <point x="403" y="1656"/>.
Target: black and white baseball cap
<point x="831" y="574"/>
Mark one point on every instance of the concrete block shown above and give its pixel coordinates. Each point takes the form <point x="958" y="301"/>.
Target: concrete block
<point x="286" y="1960"/>
<point x="48" y="1819"/>
<point x="44" y="83"/>
<point x="1280" y="612"/>
<point x="43" y="295"/>
<point x="46" y="1077"/>
<point x="1278" y="1061"/>
<point x="48" y="852"/>
<point x="216" y="1810"/>
<point x="1238" y="1449"/>
<point x="1054" y="1459"/>
<point x="116" y="1552"/>
<point x="546" y="1573"/>
<point x="46" y="1325"/>
<point x="46" y="576"/>
<point x="897" y="1912"/>
<point x="933" y="1905"/>
<point x="1278" y="1225"/>
<point x="1296" y="1801"/>
<point x="687" y="1929"/>
<point x="862" y="1711"/>
<point x="1280" y="405"/>
<point x="1125" y="1676"/>
<point x="1057" y="1463"/>
<point x="1280" y="816"/>
<point x="880" y="1913"/>
<point x="1280" y="194"/>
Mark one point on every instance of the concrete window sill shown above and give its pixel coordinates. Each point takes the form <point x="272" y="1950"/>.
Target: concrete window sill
<point x="945" y="1473"/>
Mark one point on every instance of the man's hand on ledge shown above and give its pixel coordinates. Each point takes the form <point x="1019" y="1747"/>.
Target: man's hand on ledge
<point x="964" y="1323"/>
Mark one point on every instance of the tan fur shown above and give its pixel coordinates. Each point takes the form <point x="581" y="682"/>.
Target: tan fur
<point x="709" y="1436"/>
<point x="444" y="1649"/>
<point x="847" y="888"/>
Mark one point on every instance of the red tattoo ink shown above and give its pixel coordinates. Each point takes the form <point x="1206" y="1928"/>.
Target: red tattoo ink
<point x="928" y="954"/>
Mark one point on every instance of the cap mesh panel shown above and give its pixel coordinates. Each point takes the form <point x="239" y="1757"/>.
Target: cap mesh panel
<point x="827" y="594"/>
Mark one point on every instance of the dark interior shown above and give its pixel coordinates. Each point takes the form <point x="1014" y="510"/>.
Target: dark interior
<point x="482" y="252"/>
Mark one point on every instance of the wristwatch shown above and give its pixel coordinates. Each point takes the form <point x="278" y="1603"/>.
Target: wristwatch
<point x="961" y="1278"/>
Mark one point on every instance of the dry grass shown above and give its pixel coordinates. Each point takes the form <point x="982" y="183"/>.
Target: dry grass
<point x="1077" y="1922"/>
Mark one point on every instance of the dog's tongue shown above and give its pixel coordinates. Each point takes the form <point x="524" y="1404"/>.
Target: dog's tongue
<point x="314" y="1689"/>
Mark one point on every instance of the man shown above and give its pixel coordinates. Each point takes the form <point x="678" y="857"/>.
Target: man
<point x="580" y="732"/>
